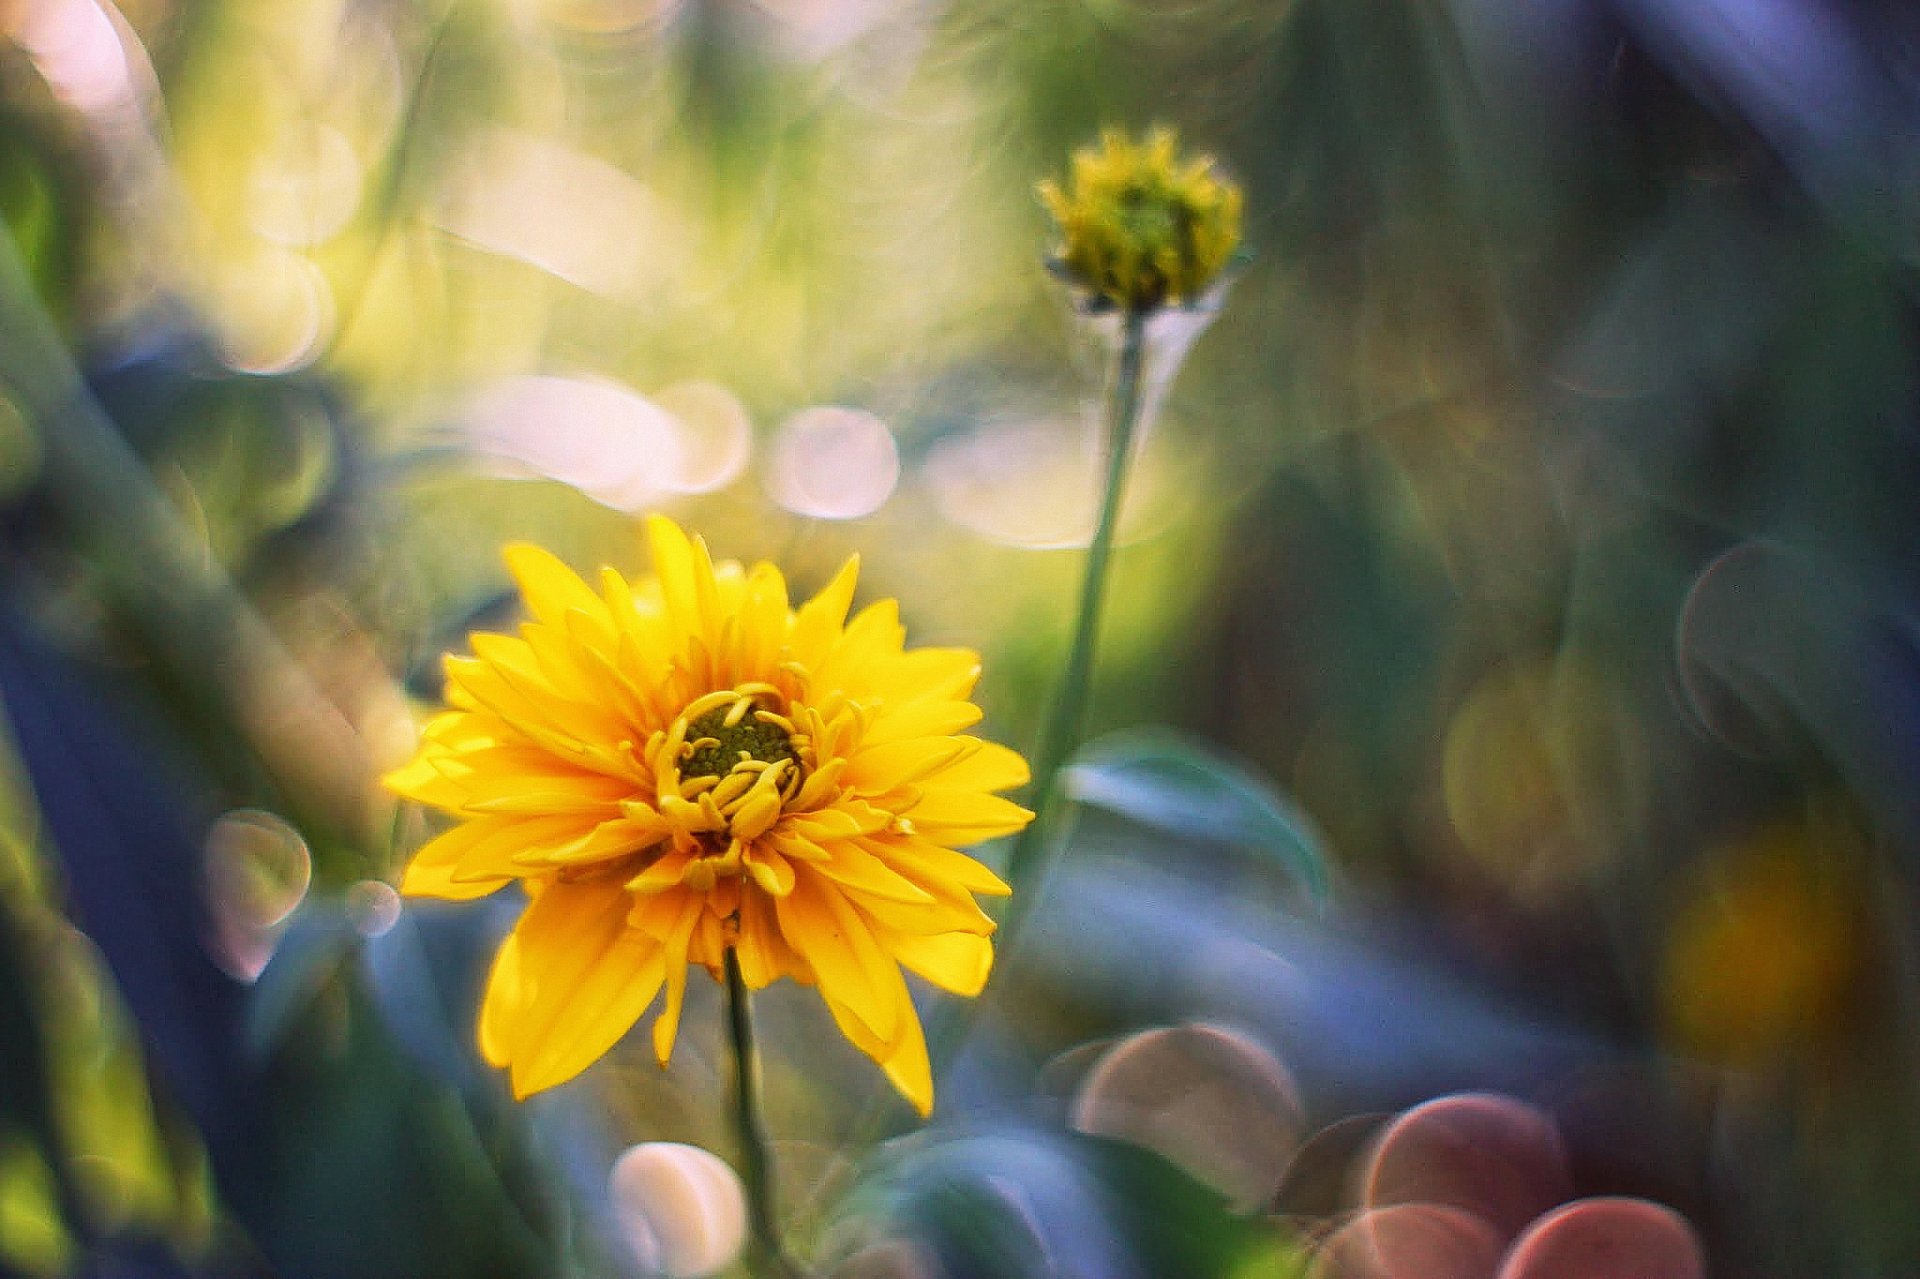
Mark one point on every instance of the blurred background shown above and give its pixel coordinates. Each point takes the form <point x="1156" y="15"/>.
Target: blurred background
<point x="1526" y="548"/>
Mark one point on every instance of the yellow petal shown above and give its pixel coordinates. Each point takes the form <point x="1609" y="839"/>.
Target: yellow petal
<point x="764" y="955"/>
<point x="959" y="962"/>
<point x="476" y="857"/>
<point x="667" y="1025"/>
<point x="959" y="817"/>
<point x="582" y="973"/>
<point x="770" y="870"/>
<point x="929" y="674"/>
<point x="549" y="586"/>
<point x="637" y="829"/>
<point x="906" y="1065"/>
<point x="923" y="719"/>
<point x="438" y="881"/>
<point x="816" y="627"/>
<point x="663" y="874"/>
<point x="610" y="998"/>
<point x="854" y="867"/>
<point x="988" y="767"/>
<point x="903" y="1057"/>
<point x="422" y="781"/>
<point x="925" y="862"/>
<point x="871" y="640"/>
<point x="952" y="910"/>
<point x="847" y="962"/>
<point x="500" y="1007"/>
<point x="876" y="769"/>
<point x="763" y="616"/>
<point x="509" y="680"/>
<point x="685" y="574"/>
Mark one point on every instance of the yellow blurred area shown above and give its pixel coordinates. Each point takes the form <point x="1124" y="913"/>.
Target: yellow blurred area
<point x="1765" y="945"/>
<point x="1541" y="772"/>
<point x="426" y="199"/>
<point x="31" y="1234"/>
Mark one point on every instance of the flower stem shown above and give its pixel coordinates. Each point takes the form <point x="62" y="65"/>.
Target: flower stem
<point x="764" y="1258"/>
<point x="1061" y="732"/>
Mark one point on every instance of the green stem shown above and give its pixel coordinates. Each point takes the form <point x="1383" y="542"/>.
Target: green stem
<point x="1061" y="733"/>
<point x="764" y="1258"/>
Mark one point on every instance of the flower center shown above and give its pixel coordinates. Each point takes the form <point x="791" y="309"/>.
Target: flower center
<point x="727" y="736"/>
<point x="728" y="768"/>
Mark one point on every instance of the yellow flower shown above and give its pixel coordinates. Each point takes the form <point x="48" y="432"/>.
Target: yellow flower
<point x="683" y="764"/>
<point x="1139" y="228"/>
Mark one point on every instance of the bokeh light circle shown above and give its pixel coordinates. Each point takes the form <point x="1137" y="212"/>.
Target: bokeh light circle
<point x="715" y="435"/>
<point x="604" y="439"/>
<point x="680" y="1208"/>
<point x="1495" y="1157"/>
<point x="1319" y="1178"/>
<point x="1410" y="1241"/>
<point x="1212" y="1100"/>
<point x="1610" y="1238"/>
<point x="373" y="906"/>
<point x="833" y="463"/>
<point x="1730" y="675"/>
<point x="257" y="871"/>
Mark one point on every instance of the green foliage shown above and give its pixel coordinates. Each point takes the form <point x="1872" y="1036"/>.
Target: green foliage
<point x="1187" y="790"/>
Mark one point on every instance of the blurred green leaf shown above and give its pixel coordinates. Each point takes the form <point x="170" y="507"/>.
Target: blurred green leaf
<point x="24" y="1086"/>
<point x="41" y="206"/>
<point x="1177" y="784"/>
<point x="1012" y="1202"/>
<point x="1175" y="1224"/>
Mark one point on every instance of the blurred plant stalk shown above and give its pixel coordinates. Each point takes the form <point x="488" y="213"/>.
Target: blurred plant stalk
<point x="163" y="582"/>
<point x="764" y="1256"/>
<point x="1142" y="228"/>
<point x="1065" y="723"/>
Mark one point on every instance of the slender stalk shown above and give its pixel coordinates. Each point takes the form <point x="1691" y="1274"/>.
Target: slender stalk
<point x="764" y="1258"/>
<point x="1060" y="734"/>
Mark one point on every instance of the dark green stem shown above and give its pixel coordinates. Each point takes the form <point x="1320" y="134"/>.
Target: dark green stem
<point x="1064" y="725"/>
<point x="764" y="1258"/>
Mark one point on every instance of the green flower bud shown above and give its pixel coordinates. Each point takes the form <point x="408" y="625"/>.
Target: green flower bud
<point x="1139" y="228"/>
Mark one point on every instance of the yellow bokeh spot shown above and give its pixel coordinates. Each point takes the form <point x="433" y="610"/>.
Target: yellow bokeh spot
<point x="1540" y="772"/>
<point x="1762" y="947"/>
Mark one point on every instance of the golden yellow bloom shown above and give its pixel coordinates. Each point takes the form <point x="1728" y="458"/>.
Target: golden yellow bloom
<point x="1139" y="228"/>
<point x="684" y="764"/>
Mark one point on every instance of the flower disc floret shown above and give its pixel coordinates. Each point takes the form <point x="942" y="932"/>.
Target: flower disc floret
<point x="680" y="766"/>
<point x="1140" y="228"/>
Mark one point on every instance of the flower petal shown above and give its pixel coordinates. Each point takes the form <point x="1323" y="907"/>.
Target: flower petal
<point x="907" y="1065"/>
<point x="988" y="767"/>
<point x="903" y="1056"/>
<point x="549" y="587"/>
<point x="817" y="625"/>
<point x="925" y="862"/>
<point x="477" y="856"/>
<point x="584" y="977"/>
<point x="500" y="1006"/>
<point x="876" y="769"/>
<point x="960" y="817"/>
<point x="924" y="719"/>
<point x="959" y="962"/>
<point x="852" y="866"/>
<point x="667" y="1025"/>
<point x="847" y="962"/>
<point x="770" y="870"/>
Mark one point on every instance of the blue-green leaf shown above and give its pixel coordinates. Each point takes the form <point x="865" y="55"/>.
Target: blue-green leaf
<point x="1185" y="787"/>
